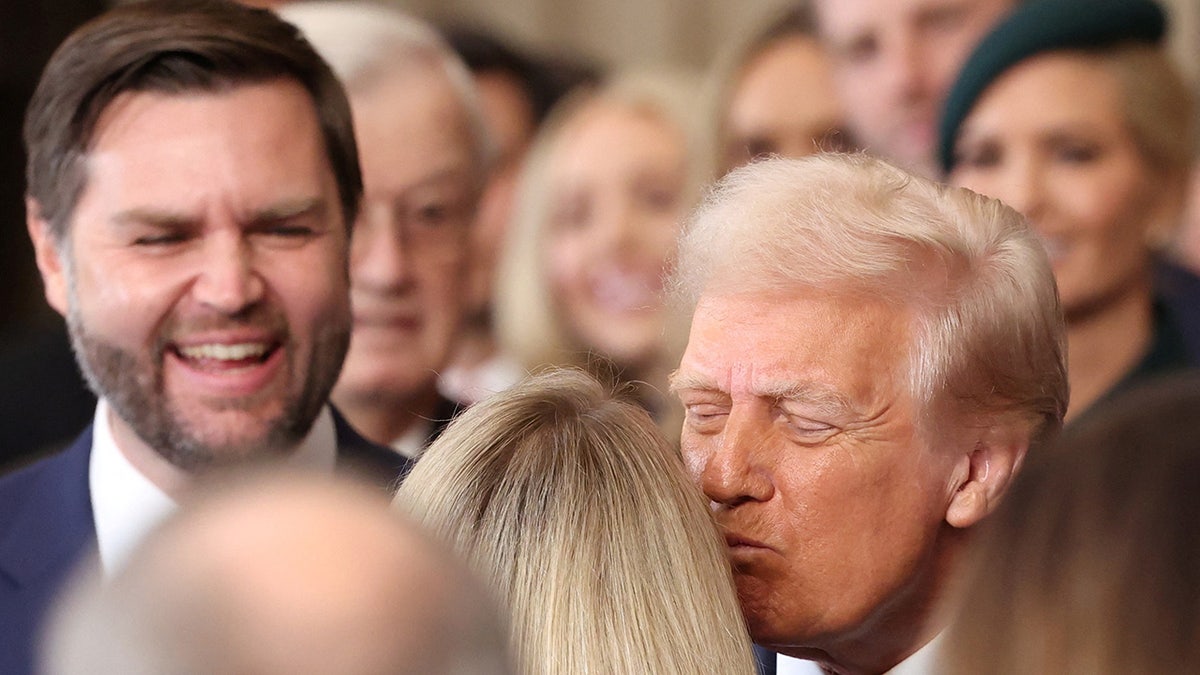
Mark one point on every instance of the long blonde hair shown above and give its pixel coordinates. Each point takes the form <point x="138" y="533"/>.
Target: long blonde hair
<point x="582" y="516"/>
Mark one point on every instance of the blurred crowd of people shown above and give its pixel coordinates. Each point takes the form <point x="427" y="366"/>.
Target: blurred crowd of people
<point x="870" y="350"/>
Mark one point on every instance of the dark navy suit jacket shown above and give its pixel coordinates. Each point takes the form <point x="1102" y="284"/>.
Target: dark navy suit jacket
<point x="765" y="660"/>
<point x="46" y="527"/>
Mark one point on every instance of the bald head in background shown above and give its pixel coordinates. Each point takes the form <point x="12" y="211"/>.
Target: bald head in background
<point x="294" y="575"/>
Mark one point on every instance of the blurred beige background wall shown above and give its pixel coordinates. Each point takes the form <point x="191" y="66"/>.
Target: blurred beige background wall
<point x="678" y="33"/>
<point x="675" y="32"/>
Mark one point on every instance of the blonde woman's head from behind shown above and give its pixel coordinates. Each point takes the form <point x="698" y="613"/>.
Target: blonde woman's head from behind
<point x="581" y="515"/>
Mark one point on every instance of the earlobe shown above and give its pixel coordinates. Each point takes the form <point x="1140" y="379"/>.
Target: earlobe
<point x="990" y="469"/>
<point x="49" y="258"/>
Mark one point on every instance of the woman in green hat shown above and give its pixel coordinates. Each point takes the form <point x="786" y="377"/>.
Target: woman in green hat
<point x="1071" y="112"/>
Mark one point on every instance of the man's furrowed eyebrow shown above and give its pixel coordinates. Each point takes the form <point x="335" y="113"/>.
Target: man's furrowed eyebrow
<point x="806" y="392"/>
<point x="154" y="218"/>
<point x="691" y="381"/>
<point x="313" y="206"/>
<point x="285" y="210"/>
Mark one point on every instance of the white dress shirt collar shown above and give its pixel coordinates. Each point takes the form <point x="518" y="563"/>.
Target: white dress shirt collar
<point x="920" y="662"/>
<point x="411" y="443"/>
<point x="126" y="505"/>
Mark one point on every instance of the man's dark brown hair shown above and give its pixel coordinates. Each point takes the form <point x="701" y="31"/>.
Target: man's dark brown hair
<point x="174" y="47"/>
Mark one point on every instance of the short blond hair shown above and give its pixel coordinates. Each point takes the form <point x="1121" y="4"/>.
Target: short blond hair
<point x="280" y="572"/>
<point x="583" y="518"/>
<point x="989" y="332"/>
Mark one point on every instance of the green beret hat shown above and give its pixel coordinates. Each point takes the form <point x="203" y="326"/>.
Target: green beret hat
<point x="1042" y="26"/>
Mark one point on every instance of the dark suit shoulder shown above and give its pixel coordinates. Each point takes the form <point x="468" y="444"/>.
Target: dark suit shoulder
<point x="369" y="461"/>
<point x="765" y="660"/>
<point x="48" y="496"/>
<point x="1178" y="289"/>
<point x="46" y="526"/>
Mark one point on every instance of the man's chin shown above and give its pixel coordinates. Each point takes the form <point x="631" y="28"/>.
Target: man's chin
<point x="229" y="439"/>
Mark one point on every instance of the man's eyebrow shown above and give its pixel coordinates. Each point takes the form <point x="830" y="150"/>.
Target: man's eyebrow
<point x="283" y="210"/>
<point x="154" y="217"/>
<point x="286" y="210"/>
<point x="814" y="393"/>
<point x="691" y="381"/>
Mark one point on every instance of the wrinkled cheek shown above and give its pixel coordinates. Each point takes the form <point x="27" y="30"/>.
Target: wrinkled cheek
<point x="754" y="597"/>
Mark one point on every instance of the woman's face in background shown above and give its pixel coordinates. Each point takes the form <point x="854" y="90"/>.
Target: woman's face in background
<point x="784" y="103"/>
<point x="1050" y="139"/>
<point x="617" y="184"/>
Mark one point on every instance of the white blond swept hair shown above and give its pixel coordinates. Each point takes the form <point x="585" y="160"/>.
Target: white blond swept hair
<point x="362" y="41"/>
<point x="989" y="331"/>
<point x="582" y="516"/>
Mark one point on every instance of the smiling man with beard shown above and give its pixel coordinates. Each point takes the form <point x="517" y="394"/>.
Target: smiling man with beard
<point x="192" y="177"/>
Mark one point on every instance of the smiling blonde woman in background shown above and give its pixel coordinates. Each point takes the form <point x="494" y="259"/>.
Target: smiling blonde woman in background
<point x="1071" y="112"/>
<point x="582" y="517"/>
<point x="604" y="191"/>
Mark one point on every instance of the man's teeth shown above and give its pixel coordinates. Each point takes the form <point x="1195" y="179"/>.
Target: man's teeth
<point x="237" y="352"/>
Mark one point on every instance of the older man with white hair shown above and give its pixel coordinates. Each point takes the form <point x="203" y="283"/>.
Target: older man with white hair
<point x="871" y="356"/>
<point x="425" y="157"/>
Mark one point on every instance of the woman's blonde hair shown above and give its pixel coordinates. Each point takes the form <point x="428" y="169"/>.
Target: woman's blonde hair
<point x="1158" y="105"/>
<point x="581" y="515"/>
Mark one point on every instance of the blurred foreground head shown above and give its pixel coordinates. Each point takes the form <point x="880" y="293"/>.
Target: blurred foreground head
<point x="282" y="576"/>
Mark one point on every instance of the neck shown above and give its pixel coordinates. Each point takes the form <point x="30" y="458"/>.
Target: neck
<point x="384" y="419"/>
<point x="172" y="480"/>
<point x="475" y="345"/>
<point x="1104" y="345"/>
<point x="900" y="627"/>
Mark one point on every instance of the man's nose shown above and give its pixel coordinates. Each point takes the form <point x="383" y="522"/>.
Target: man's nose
<point x="909" y="78"/>
<point x="735" y="471"/>
<point x="380" y="251"/>
<point x="227" y="280"/>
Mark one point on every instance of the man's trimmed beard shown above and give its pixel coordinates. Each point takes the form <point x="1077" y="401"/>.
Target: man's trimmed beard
<point x="134" y="390"/>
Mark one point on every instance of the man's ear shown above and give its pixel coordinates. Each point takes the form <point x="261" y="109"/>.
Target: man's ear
<point x="987" y="471"/>
<point x="46" y="249"/>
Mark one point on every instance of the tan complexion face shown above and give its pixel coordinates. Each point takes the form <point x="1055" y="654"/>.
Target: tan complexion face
<point x="784" y="103"/>
<point x="409" y="248"/>
<point x="801" y="431"/>
<point x="618" y="199"/>
<point x="203" y="274"/>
